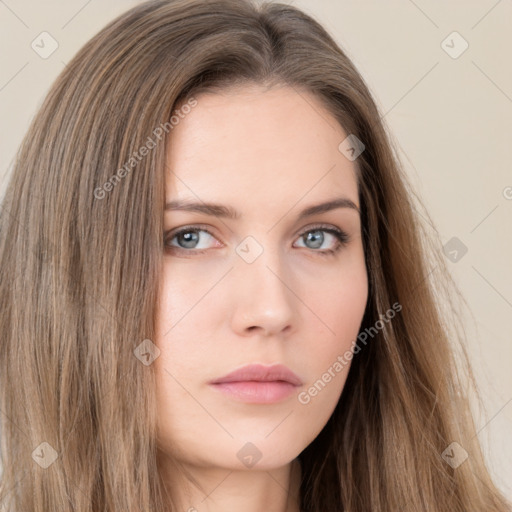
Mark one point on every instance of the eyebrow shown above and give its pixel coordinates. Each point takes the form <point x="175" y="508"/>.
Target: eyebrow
<point x="223" y="211"/>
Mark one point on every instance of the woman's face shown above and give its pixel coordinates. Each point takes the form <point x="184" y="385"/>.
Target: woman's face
<point x="261" y="288"/>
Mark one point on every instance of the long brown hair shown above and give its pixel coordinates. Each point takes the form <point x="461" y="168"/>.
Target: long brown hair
<point x="80" y="254"/>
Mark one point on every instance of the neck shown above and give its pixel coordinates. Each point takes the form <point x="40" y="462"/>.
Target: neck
<point x="211" y="489"/>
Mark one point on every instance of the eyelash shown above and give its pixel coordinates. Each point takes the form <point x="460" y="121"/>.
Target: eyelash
<point x="342" y="239"/>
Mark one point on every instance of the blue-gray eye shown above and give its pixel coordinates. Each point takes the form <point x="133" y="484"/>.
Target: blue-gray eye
<point x="314" y="238"/>
<point x="187" y="239"/>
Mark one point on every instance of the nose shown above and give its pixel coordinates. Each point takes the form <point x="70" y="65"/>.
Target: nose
<point x="264" y="301"/>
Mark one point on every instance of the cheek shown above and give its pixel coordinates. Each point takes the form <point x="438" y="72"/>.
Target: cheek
<point x="330" y="344"/>
<point x="337" y="307"/>
<point x="337" y="300"/>
<point x="186" y="292"/>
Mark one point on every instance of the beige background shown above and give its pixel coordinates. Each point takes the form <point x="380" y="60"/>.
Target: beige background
<point x="451" y="117"/>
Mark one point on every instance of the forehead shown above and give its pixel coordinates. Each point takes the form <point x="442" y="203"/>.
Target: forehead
<point x="263" y="145"/>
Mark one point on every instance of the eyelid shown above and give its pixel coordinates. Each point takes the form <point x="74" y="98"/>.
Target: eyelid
<point x="321" y="226"/>
<point x="192" y="227"/>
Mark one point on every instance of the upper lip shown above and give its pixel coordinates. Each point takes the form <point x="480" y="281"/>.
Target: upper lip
<point x="261" y="373"/>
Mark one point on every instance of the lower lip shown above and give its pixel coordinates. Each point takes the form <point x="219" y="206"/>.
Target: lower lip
<point x="257" y="392"/>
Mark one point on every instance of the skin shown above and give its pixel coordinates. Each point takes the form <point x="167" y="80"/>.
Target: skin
<point x="267" y="153"/>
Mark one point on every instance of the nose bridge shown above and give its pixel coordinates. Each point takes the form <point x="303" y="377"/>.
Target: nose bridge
<point x="263" y="298"/>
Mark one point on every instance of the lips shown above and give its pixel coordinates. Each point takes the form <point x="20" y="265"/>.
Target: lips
<point x="258" y="384"/>
<point x="261" y="373"/>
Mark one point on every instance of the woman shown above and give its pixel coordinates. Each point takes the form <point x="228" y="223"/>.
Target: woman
<point x="216" y="292"/>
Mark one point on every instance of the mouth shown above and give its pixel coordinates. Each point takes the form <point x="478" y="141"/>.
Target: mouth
<point x="258" y="384"/>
